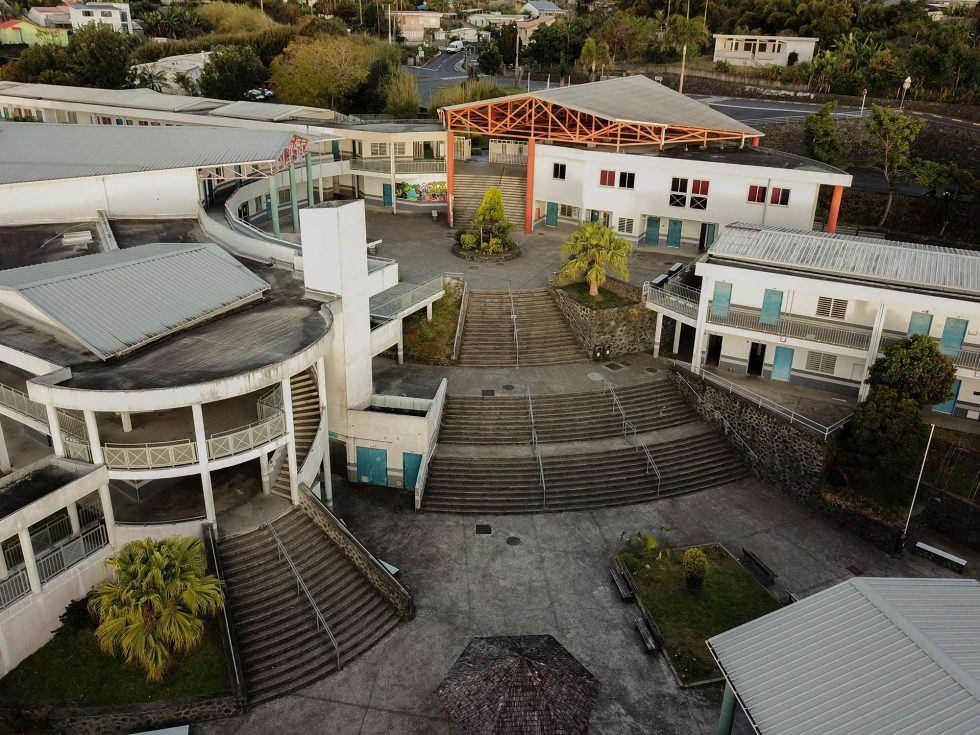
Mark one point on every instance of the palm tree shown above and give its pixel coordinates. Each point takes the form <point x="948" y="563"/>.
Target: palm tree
<point x="592" y="250"/>
<point x="593" y="55"/>
<point x="153" y="607"/>
<point x="150" y="78"/>
<point x="683" y="32"/>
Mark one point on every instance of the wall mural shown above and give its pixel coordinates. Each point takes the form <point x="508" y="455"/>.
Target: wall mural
<point x="433" y="191"/>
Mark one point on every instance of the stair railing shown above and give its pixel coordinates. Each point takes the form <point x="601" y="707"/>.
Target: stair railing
<point x="631" y="435"/>
<point x="513" y="320"/>
<point x="537" y="450"/>
<point x="228" y="629"/>
<point x="301" y="587"/>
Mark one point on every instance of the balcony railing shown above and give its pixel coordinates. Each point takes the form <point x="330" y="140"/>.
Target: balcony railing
<point x="52" y="532"/>
<point x="270" y="404"/>
<point x="150" y="456"/>
<point x="390" y="308"/>
<point x="58" y="559"/>
<point x="813" y="330"/>
<point x="676" y="297"/>
<point x="236" y="441"/>
<point x="382" y="165"/>
<point x="14" y="587"/>
<point x="20" y="402"/>
<point x="968" y="356"/>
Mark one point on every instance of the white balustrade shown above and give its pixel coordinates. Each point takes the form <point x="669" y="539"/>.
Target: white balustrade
<point x="53" y="561"/>
<point x="236" y="441"/>
<point x="150" y="456"/>
<point x="14" y="587"/>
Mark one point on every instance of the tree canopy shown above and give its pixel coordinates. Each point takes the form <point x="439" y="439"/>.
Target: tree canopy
<point x="591" y="251"/>
<point x="890" y="135"/>
<point x="916" y="369"/>
<point x="320" y="72"/>
<point x="230" y="72"/>
<point x="821" y="137"/>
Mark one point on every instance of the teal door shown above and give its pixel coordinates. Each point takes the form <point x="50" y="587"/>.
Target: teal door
<point x="653" y="232"/>
<point x="372" y="466"/>
<point x="772" y="304"/>
<point x="951" y="403"/>
<point x="551" y="216"/>
<point x="594" y="215"/>
<point x="335" y="148"/>
<point x="721" y="299"/>
<point x="782" y="364"/>
<point x="674" y="233"/>
<point x="411" y="463"/>
<point x="954" y="331"/>
<point x="711" y="232"/>
<point x="919" y="323"/>
<point x="386" y="191"/>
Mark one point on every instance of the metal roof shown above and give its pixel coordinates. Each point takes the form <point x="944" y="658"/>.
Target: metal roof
<point x="117" y="301"/>
<point x="270" y="111"/>
<point x="544" y="5"/>
<point x="32" y="152"/>
<point x="145" y="99"/>
<point x="868" y="656"/>
<point x="863" y="258"/>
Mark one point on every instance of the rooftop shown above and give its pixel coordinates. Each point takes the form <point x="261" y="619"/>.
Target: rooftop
<point x="776" y="36"/>
<point x="33" y="483"/>
<point x="545" y="5"/>
<point x="867" y="656"/>
<point x="753" y="156"/>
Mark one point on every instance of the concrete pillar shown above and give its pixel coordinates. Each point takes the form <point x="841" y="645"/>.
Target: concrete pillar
<point x="4" y="454"/>
<point x="309" y="179"/>
<point x="319" y="183"/>
<point x="727" y="718"/>
<point x="293" y="203"/>
<point x="76" y="524"/>
<point x="834" y="209"/>
<point x="391" y="162"/>
<point x="127" y="421"/>
<point x="874" y="344"/>
<point x="4" y="572"/>
<point x="529" y="202"/>
<point x="677" y="340"/>
<point x="287" y="407"/>
<point x="657" y="332"/>
<point x="450" y="167"/>
<point x="202" y="457"/>
<point x="266" y="477"/>
<point x="95" y="444"/>
<point x="755" y="140"/>
<point x="428" y="312"/>
<point x="401" y="350"/>
<point x="54" y="426"/>
<point x="321" y="389"/>
<point x="110" y="517"/>
<point x="27" y="549"/>
<point x="274" y="206"/>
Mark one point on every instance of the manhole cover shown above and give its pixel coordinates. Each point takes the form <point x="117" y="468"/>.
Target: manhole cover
<point x="513" y="541"/>
<point x="595" y="376"/>
<point x="855" y="570"/>
<point x="508" y="387"/>
<point x="474" y="267"/>
<point x="613" y="366"/>
<point x="483" y="529"/>
<point x="652" y="370"/>
<point x="487" y="393"/>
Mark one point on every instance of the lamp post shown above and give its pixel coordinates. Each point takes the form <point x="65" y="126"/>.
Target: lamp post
<point x="915" y="494"/>
<point x="905" y="88"/>
<point x="864" y="96"/>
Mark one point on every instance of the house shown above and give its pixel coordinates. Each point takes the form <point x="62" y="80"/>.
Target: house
<point x="190" y="65"/>
<point x="542" y="8"/>
<point x="492" y="20"/>
<point x="526" y="28"/>
<point x="21" y="31"/>
<point x="116" y="15"/>
<point x="50" y="17"/>
<point x="417" y="26"/>
<point x="763" y="50"/>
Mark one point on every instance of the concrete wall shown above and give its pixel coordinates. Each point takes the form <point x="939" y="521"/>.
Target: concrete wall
<point x="158" y="531"/>
<point x="624" y="329"/>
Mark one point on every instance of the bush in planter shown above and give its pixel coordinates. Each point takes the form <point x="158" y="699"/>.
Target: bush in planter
<point x="695" y="568"/>
<point x="489" y="233"/>
<point x="467" y="241"/>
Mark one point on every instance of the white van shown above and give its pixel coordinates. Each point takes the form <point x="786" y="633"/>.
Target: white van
<point x="455" y="47"/>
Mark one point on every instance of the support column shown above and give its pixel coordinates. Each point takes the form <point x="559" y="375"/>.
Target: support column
<point x="54" y="426"/>
<point x="321" y="389"/>
<point x="677" y="339"/>
<point x="127" y="421"/>
<point x="391" y="163"/>
<point x="4" y="454"/>
<point x="4" y="572"/>
<point x="201" y="440"/>
<point x="266" y="477"/>
<point x="450" y="168"/>
<point x="727" y="718"/>
<point x="76" y="524"/>
<point x="834" y="209"/>
<point x="108" y="514"/>
<point x="94" y="442"/>
<point x="293" y="203"/>
<point x="529" y="203"/>
<point x="401" y="351"/>
<point x="428" y="312"/>
<point x="874" y="344"/>
<point x="287" y="407"/>
<point x="274" y="206"/>
<point x="657" y="332"/>
<point x="27" y="549"/>
<point x="309" y="180"/>
<point x="755" y="140"/>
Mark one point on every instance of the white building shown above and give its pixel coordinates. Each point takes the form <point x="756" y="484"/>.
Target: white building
<point x="417" y="26"/>
<point x="817" y="309"/>
<point x="542" y="9"/>
<point x="116" y="15"/>
<point x="170" y="67"/>
<point x="763" y="50"/>
<point x="492" y="20"/>
<point x="50" y="17"/>
<point x="526" y="28"/>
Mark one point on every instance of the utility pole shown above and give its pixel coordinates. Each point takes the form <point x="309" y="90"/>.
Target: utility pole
<point x="517" y="54"/>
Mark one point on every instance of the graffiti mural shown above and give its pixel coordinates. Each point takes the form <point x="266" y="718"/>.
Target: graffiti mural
<point x="433" y="191"/>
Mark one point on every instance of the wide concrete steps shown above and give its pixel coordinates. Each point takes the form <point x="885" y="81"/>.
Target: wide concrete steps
<point x="282" y="646"/>
<point x="469" y="190"/>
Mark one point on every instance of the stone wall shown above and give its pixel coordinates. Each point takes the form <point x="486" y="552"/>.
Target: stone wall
<point x="625" y="329"/>
<point x="953" y="516"/>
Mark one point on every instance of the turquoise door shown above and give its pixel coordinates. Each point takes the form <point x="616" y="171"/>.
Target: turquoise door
<point x="772" y="304"/>
<point x="335" y="148"/>
<point x="674" y="233"/>
<point x="594" y="216"/>
<point x="721" y="299"/>
<point x="919" y="323"/>
<point x="782" y="364"/>
<point x="710" y="234"/>
<point x="951" y="403"/>
<point x="372" y="466"/>
<point x="411" y="462"/>
<point x="954" y="331"/>
<point x="386" y="191"/>
<point x="652" y="232"/>
<point x="551" y="216"/>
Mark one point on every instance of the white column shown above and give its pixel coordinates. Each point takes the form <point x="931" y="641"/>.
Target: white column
<point x="657" y="332"/>
<point x="677" y="342"/>
<point x="401" y="350"/>
<point x="874" y="344"/>
<point x="76" y="525"/>
<point x="321" y="388"/>
<point x="110" y="517"/>
<point x="287" y="407"/>
<point x="54" y="426"/>
<point x="391" y="153"/>
<point x="4" y="454"/>
<point x="320" y="187"/>
<point x="27" y="549"/>
<point x="202" y="458"/>
<point x="264" y="469"/>
<point x="697" y="358"/>
<point x="127" y="421"/>
<point x="428" y="311"/>
<point x="3" y="565"/>
<point x="95" y="444"/>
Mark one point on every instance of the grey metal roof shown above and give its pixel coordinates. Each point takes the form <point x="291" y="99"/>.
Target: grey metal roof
<point x="117" y="301"/>
<point x="145" y="99"/>
<point x="270" y="111"/>
<point x="635" y="99"/>
<point x="868" y="259"/>
<point x="32" y="152"/>
<point x="868" y="656"/>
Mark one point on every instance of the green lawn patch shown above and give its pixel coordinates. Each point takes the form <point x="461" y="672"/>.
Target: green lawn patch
<point x="71" y="669"/>
<point x="730" y="597"/>
<point x="607" y="299"/>
<point x="433" y="340"/>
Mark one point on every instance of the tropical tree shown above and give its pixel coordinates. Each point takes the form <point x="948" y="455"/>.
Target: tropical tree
<point x="100" y="56"/>
<point x="916" y="369"/>
<point x="821" y="137"/>
<point x="150" y="78"/>
<point x="230" y="72"/>
<point x="593" y="55"/>
<point x="592" y="250"/>
<point x="891" y="135"/>
<point x="489" y="58"/>
<point x="154" y="605"/>
<point x="320" y="72"/>
<point x="491" y="219"/>
<point x="402" y="95"/>
<point x="684" y="32"/>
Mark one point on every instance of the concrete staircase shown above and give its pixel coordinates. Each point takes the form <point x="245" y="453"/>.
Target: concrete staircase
<point x="280" y="646"/>
<point x="306" y="419"/>
<point x="470" y="184"/>
<point x="543" y="334"/>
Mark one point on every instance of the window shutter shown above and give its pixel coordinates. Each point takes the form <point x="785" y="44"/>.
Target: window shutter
<point x="821" y="362"/>
<point x="830" y="307"/>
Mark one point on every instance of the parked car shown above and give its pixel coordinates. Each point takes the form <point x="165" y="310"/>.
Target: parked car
<point x="258" y="94"/>
<point x="454" y="47"/>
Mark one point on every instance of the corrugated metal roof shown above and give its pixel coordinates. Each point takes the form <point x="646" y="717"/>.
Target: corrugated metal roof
<point x="634" y="99"/>
<point x="270" y="111"/>
<point x="117" y="301"/>
<point x="864" y="258"/>
<point x="32" y="152"/>
<point x="865" y="657"/>
<point x="145" y="99"/>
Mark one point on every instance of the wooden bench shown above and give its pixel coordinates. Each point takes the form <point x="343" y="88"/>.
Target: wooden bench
<point x="939" y="556"/>
<point x="752" y="561"/>
<point x="644" y="630"/>
<point x="621" y="584"/>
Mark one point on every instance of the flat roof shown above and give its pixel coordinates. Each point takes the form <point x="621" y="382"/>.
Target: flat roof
<point x="751" y="156"/>
<point x="865" y="657"/>
<point x="22" y="489"/>
<point x="776" y="37"/>
<point x="270" y="111"/>
<point x="876" y="261"/>
<point x="30" y="244"/>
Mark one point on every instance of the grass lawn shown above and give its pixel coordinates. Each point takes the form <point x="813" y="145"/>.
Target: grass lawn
<point x="71" y="669"/>
<point x="730" y="597"/>
<point x="606" y="300"/>
<point x="433" y="340"/>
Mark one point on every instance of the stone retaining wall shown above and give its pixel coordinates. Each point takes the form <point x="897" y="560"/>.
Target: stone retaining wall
<point x="625" y="329"/>
<point x="953" y="516"/>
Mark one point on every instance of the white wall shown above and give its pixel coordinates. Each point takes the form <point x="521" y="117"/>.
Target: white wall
<point x="157" y="531"/>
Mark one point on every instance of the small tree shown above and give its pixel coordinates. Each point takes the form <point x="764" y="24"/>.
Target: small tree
<point x="230" y="72"/>
<point x="695" y="568"/>
<point x="490" y="217"/>
<point x="489" y="59"/>
<point x="401" y="95"/>
<point x="592" y="250"/>
<point x="823" y="140"/>
<point x="154" y="604"/>
<point x="891" y="135"/>
<point x="593" y="55"/>
<point x="916" y="369"/>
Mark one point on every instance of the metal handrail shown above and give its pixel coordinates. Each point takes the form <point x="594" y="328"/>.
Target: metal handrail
<point x="13" y="588"/>
<point x="242" y="439"/>
<point x="236" y="663"/>
<point x="537" y="450"/>
<point x="463" y="305"/>
<point x="513" y="319"/>
<point x="728" y="426"/>
<point x="967" y="356"/>
<point x="630" y="433"/>
<point x="301" y="585"/>
<point x="57" y="559"/>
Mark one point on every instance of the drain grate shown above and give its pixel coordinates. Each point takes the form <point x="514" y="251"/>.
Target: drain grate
<point x="855" y="570"/>
<point x="613" y="366"/>
<point x="508" y="387"/>
<point x="487" y="393"/>
<point x="482" y="529"/>
<point x="652" y="370"/>
<point x="513" y="541"/>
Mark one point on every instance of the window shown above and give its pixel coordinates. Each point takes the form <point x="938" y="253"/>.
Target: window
<point x="607" y="178"/>
<point x="106" y="13"/>
<point x="625" y="225"/>
<point x="833" y="308"/>
<point x="699" y="194"/>
<point x="821" y="362"/>
<point x="757" y="194"/>
<point x="558" y="171"/>
<point x="626" y="180"/>
<point x="143" y="122"/>
<point x="399" y="149"/>
<point x="678" y="192"/>
<point x="87" y="13"/>
<point x="779" y="196"/>
<point x="379" y="149"/>
<point x="568" y="211"/>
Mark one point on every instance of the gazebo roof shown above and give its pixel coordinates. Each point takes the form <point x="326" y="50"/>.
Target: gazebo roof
<point x="518" y="685"/>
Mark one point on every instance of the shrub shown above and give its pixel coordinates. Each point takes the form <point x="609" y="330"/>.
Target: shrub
<point x="822" y="138"/>
<point x="233" y="18"/>
<point x="723" y="67"/>
<point x="467" y="241"/>
<point x="916" y="369"/>
<point x="695" y="568"/>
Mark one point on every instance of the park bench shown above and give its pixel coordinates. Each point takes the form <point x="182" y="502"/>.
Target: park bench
<point x="751" y="561"/>
<point x="625" y="592"/>
<point x="939" y="556"/>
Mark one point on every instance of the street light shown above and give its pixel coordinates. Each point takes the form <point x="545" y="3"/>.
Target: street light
<point x="905" y="88"/>
<point x="901" y="540"/>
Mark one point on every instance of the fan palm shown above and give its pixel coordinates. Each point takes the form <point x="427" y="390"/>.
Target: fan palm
<point x="592" y="250"/>
<point x="683" y="32"/>
<point x="593" y="55"/>
<point x="154" y="605"/>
